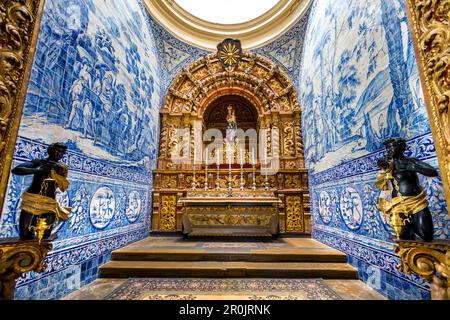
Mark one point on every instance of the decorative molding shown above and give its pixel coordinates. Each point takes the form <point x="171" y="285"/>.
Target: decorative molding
<point x="19" y="22"/>
<point x="430" y="260"/>
<point x="430" y="30"/>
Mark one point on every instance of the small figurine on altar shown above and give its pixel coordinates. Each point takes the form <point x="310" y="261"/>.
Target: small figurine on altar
<point x="231" y="119"/>
<point x="232" y="126"/>
<point x="39" y="209"/>
<point x="406" y="207"/>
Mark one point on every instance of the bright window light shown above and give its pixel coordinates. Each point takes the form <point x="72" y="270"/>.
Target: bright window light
<point x="226" y="11"/>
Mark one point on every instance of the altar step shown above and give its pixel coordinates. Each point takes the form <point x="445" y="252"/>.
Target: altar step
<point x="228" y="269"/>
<point x="175" y="257"/>
<point x="298" y="255"/>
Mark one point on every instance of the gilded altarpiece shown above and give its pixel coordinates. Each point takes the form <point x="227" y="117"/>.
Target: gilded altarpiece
<point x="263" y="97"/>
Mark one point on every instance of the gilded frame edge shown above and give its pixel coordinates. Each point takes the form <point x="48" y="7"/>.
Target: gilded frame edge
<point x="430" y="95"/>
<point x="13" y="124"/>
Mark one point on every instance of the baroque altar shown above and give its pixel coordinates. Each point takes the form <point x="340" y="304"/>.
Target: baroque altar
<point x="173" y="197"/>
<point x="214" y="177"/>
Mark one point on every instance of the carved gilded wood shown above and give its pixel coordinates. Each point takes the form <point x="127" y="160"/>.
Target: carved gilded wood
<point x="294" y="216"/>
<point x="18" y="257"/>
<point x="429" y="260"/>
<point x="256" y="79"/>
<point x="167" y="221"/>
<point x="19" y="26"/>
<point x="430" y="28"/>
<point x="291" y="188"/>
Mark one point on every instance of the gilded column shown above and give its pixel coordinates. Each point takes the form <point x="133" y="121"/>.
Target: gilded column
<point x="19" y="25"/>
<point x="430" y="29"/>
<point x="298" y="139"/>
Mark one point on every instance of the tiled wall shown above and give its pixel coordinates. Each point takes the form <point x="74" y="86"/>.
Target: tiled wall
<point x="359" y="85"/>
<point x="95" y="85"/>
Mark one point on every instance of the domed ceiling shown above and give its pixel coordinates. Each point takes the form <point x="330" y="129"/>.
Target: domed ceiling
<point x="254" y="22"/>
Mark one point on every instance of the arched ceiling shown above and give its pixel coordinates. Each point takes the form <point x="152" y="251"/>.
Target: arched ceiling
<point x="206" y="35"/>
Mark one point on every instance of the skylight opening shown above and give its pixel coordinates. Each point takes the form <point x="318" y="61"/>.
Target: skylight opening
<point x="227" y="11"/>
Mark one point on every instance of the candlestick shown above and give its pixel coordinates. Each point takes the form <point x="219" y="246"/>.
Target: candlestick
<point x="230" y="184"/>
<point x="206" y="170"/>
<point x="254" y="177"/>
<point x="242" y="177"/>
<point x="194" y="182"/>
<point x="266" y="181"/>
<point x="218" y="177"/>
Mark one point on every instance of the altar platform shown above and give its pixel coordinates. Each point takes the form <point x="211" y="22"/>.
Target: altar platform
<point x="172" y="266"/>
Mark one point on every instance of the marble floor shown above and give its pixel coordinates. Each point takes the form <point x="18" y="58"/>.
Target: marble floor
<point x="346" y="289"/>
<point x="161" y="255"/>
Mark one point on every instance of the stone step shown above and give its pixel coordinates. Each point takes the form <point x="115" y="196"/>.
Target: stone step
<point x="298" y="255"/>
<point x="217" y="269"/>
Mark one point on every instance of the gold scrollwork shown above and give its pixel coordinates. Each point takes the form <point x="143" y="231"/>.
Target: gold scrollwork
<point x="430" y="26"/>
<point x="294" y="217"/>
<point x="431" y="261"/>
<point x="229" y="219"/>
<point x="18" y="21"/>
<point x="169" y="182"/>
<point x="17" y="258"/>
<point x="293" y="182"/>
<point x="167" y="219"/>
<point x="289" y="145"/>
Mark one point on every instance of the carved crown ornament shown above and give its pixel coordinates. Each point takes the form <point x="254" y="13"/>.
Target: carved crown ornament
<point x="430" y="29"/>
<point x="229" y="52"/>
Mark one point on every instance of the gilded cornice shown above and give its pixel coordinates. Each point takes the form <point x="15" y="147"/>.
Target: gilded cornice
<point x="19" y="24"/>
<point x="430" y="28"/>
<point x="206" y="35"/>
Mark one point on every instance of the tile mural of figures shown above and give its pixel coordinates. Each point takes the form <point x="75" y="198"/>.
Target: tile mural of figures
<point x="95" y="86"/>
<point x="362" y="85"/>
<point x="95" y="80"/>
<point x="359" y="84"/>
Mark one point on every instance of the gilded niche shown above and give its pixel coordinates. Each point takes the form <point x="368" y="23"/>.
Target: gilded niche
<point x="430" y="26"/>
<point x="17" y="23"/>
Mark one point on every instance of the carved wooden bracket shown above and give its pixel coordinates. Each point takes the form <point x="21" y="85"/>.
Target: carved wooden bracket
<point x="430" y="260"/>
<point x="19" y="25"/>
<point x="430" y="30"/>
<point x="18" y="257"/>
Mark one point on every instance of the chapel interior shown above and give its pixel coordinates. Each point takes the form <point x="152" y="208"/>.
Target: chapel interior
<point x="224" y="150"/>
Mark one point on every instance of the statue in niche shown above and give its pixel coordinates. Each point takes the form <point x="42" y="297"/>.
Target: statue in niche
<point x="231" y="133"/>
<point x="231" y="119"/>
<point x="39" y="209"/>
<point x="406" y="206"/>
